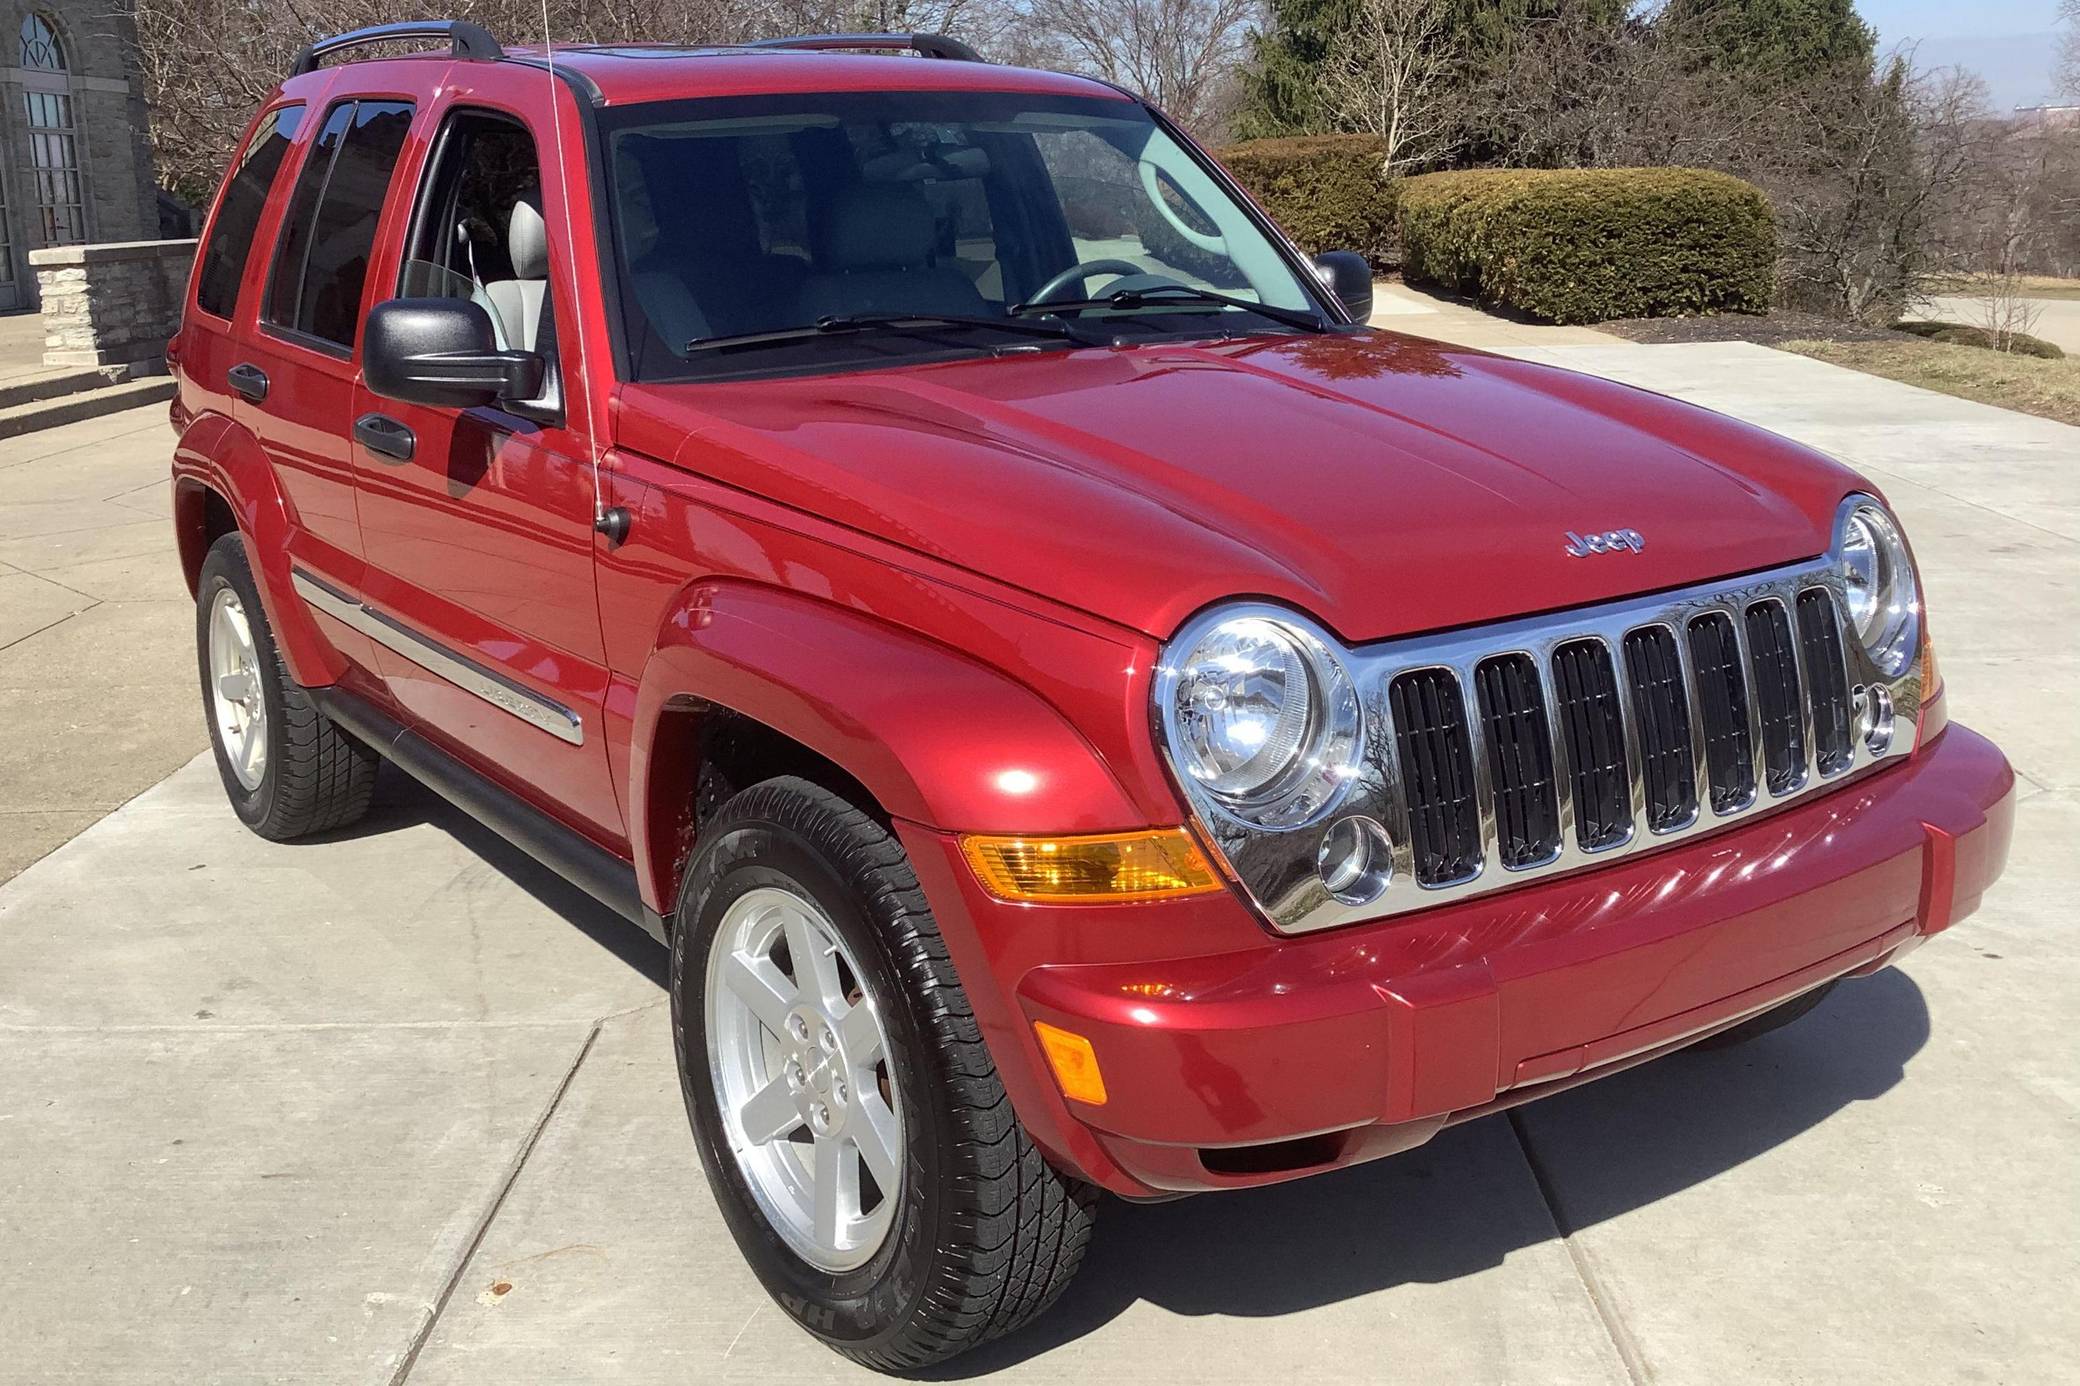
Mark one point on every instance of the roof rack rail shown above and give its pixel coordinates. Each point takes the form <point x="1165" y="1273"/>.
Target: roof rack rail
<point x="929" y="45"/>
<point x="468" y="40"/>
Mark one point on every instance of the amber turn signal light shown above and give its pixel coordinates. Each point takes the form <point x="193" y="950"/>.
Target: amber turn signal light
<point x="1110" y="869"/>
<point x="1074" y="1062"/>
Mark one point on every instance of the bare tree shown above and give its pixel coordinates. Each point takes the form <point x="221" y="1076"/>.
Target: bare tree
<point x="1180" y="54"/>
<point x="2069" y="50"/>
<point x="207" y="64"/>
<point x="1392" y="72"/>
<point x="1860" y="209"/>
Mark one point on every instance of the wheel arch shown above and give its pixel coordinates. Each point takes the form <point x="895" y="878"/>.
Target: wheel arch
<point x="744" y="677"/>
<point x="222" y="482"/>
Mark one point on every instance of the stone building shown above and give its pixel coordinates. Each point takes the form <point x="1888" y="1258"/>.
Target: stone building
<point x="75" y="162"/>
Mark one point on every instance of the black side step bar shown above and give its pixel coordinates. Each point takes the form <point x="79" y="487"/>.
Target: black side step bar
<point x="929" y="45"/>
<point x="466" y="40"/>
<point x="586" y="865"/>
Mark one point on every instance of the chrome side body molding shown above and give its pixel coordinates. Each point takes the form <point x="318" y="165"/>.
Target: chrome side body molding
<point x="466" y="674"/>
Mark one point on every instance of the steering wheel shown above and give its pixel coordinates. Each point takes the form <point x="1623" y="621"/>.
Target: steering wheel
<point x="1052" y="289"/>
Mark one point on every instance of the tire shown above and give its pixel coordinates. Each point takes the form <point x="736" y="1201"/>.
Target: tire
<point x="310" y="776"/>
<point x="982" y="1234"/>
<point x="1774" y="1019"/>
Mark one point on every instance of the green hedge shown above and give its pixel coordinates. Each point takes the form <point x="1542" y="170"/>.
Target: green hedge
<point x="1588" y="245"/>
<point x="1330" y="192"/>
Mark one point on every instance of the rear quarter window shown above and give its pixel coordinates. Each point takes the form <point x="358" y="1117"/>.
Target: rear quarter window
<point x="321" y="263"/>
<point x="230" y="243"/>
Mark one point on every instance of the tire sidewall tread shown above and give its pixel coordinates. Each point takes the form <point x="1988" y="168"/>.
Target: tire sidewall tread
<point x="986" y="1233"/>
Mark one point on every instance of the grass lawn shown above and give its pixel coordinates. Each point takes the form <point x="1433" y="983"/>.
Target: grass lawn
<point x="2033" y="386"/>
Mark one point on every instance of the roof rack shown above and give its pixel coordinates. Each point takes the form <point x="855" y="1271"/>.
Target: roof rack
<point x="929" y="45"/>
<point x="467" y="40"/>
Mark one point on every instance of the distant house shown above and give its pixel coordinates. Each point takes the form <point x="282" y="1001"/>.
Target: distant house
<point x="75" y="165"/>
<point x="2056" y="117"/>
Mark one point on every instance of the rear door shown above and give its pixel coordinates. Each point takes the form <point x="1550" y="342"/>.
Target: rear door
<point x="478" y="523"/>
<point x="294" y="372"/>
<point x="211" y="338"/>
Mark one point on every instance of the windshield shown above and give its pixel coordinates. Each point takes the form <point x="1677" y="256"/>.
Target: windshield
<point x="752" y="217"/>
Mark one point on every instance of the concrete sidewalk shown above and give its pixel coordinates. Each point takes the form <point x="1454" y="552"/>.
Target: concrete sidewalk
<point x="400" y="1106"/>
<point x="97" y="632"/>
<point x="1421" y="312"/>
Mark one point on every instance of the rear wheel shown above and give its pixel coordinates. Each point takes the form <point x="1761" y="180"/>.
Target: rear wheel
<point x="848" y="1115"/>
<point x="288" y="771"/>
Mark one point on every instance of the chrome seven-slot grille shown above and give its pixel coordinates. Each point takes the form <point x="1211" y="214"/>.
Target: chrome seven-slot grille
<point x="1505" y="753"/>
<point x="1638" y="726"/>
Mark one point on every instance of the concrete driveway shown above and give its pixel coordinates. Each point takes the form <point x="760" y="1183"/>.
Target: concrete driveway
<point x="2058" y="319"/>
<point x="399" y="1105"/>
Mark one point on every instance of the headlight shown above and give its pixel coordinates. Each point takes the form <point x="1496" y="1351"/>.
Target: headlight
<point x="1259" y="714"/>
<point x="1878" y="583"/>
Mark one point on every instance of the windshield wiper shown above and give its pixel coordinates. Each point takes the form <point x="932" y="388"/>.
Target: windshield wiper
<point x="840" y="324"/>
<point x="1176" y="293"/>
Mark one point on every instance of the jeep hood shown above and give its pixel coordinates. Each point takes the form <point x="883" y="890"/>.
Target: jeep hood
<point x="1384" y="484"/>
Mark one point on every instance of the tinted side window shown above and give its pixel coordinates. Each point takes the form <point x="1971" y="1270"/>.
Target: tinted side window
<point x="322" y="262"/>
<point x="231" y="238"/>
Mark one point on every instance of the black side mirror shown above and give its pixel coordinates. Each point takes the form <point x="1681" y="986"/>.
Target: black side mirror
<point x="1349" y="278"/>
<point x="443" y="352"/>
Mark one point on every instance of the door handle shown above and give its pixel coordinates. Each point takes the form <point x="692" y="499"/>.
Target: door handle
<point x="249" y="380"/>
<point x="380" y="433"/>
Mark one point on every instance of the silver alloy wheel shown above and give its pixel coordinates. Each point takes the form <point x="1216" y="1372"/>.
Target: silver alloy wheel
<point x="801" y="1070"/>
<point x="234" y="689"/>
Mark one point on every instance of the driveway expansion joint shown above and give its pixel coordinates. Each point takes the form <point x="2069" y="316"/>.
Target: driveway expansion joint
<point x="498" y="1200"/>
<point x="1614" y="1326"/>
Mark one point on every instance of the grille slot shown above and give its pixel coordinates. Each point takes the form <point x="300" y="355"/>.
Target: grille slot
<point x="1722" y="711"/>
<point x="1586" y="690"/>
<point x="1436" y="752"/>
<point x="1520" y="759"/>
<point x="1775" y="669"/>
<point x="1827" y="679"/>
<point x="1662" y="703"/>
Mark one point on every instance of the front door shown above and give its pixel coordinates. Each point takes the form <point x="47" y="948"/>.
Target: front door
<point x="477" y="524"/>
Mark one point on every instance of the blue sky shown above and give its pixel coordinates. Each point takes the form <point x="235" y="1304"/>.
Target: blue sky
<point x="2007" y="42"/>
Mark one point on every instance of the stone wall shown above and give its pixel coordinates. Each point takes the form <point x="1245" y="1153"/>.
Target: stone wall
<point x="111" y="305"/>
<point x="99" y="40"/>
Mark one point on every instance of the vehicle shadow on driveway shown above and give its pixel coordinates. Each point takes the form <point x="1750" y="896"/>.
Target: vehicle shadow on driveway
<point x="402" y="802"/>
<point x="1462" y="1203"/>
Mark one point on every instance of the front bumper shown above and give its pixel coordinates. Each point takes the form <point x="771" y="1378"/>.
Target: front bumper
<point x="1249" y="1057"/>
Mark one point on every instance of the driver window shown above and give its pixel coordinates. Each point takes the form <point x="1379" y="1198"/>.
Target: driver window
<point x="478" y="232"/>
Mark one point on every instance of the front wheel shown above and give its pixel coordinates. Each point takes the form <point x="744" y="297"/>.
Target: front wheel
<point x="848" y="1115"/>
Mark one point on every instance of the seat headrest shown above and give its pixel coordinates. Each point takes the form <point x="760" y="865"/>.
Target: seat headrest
<point x="527" y="237"/>
<point x="874" y="226"/>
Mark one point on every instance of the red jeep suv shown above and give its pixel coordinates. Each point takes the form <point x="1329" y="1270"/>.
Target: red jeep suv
<point x="1084" y="711"/>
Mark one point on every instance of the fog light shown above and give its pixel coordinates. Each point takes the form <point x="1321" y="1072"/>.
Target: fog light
<point x="1074" y="1062"/>
<point x="1356" y="860"/>
<point x="1873" y="709"/>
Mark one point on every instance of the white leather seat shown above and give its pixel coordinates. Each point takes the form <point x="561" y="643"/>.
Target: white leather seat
<point x="516" y="303"/>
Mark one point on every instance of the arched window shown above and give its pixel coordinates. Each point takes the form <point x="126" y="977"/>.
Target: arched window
<point x="61" y="202"/>
<point x="40" y="46"/>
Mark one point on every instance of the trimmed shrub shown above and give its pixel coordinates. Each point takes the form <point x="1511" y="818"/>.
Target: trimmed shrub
<point x="1588" y="245"/>
<point x="1963" y="334"/>
<point x="1329" y="192"/>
